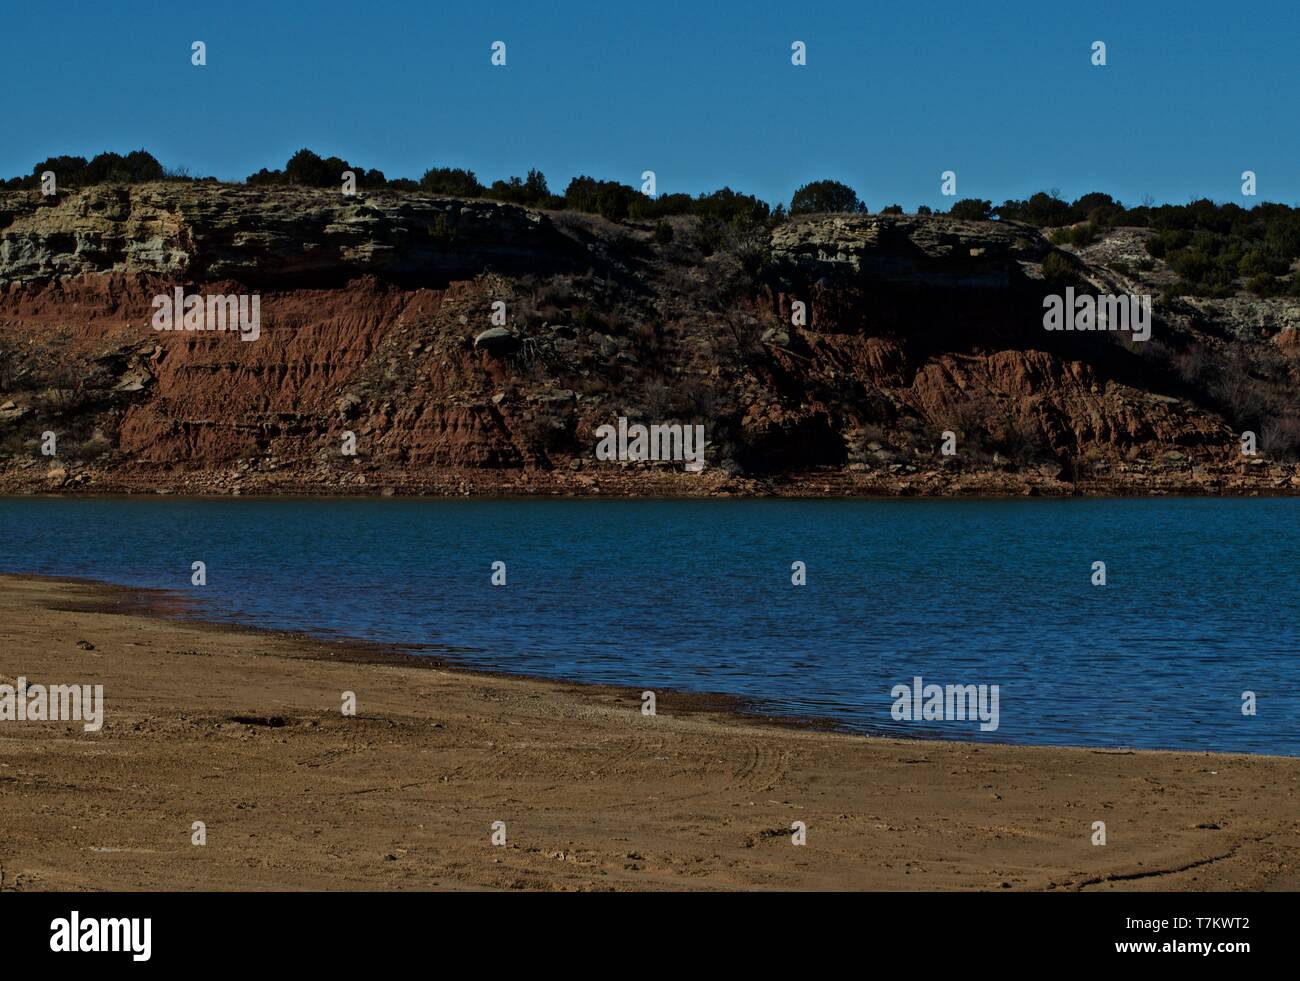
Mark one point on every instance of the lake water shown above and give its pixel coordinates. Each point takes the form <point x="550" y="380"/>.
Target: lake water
<point x="1201" y="602"/>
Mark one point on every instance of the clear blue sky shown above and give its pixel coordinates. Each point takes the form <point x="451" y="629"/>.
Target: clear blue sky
<point x="895" y="92"/>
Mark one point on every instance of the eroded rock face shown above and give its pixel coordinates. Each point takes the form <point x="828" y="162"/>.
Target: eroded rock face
<point x="267" y="237"/>
<point x="908" y="250"/>
<point x="377" y="322"/>
<point x="904" y="272"/>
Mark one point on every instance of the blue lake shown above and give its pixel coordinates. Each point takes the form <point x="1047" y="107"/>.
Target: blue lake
<point x="1201" y="601"/>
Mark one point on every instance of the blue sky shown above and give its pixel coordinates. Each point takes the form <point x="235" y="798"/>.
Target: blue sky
<point x="894" y="93"/>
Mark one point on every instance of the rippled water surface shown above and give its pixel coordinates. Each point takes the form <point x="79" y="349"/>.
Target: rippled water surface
<point x="1201" y="602"/>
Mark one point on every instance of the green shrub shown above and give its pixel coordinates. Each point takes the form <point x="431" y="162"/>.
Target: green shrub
<point x="1058" y="269"/>
<point x="972" y="209"/>
<point x="1266" y="284"/>
<point x="308" y="169"/>
<point x="826" y="196"/>
<point x="137" y="167"/>
<point x="609" y="199"/>
<point x="1080" y="236"/>
<point x="454" y="182"/>
<point x="1042" y="209"/>
<point x="530" y="191"/>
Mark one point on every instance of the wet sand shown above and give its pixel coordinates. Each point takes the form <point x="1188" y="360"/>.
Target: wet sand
<point x="243" y="730"/>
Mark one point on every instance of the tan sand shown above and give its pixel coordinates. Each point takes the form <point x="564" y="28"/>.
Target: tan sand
<point x="593" y="794"/>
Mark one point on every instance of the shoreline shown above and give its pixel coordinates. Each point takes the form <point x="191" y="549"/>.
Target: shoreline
<point x="242" y="729"/>
<point x="1261" y="478"/>
<point x="177" y="606"/>
<point x="327" y="494"/>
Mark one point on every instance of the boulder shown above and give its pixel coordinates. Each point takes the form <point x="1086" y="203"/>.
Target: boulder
<point x="776" y="337"/>
<point x="497" y="341"/>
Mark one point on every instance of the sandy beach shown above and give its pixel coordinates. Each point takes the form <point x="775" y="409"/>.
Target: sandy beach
<point x="243" y="731"/>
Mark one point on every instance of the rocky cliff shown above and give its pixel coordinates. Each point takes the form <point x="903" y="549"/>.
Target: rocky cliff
<point x="469" y="346"/>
